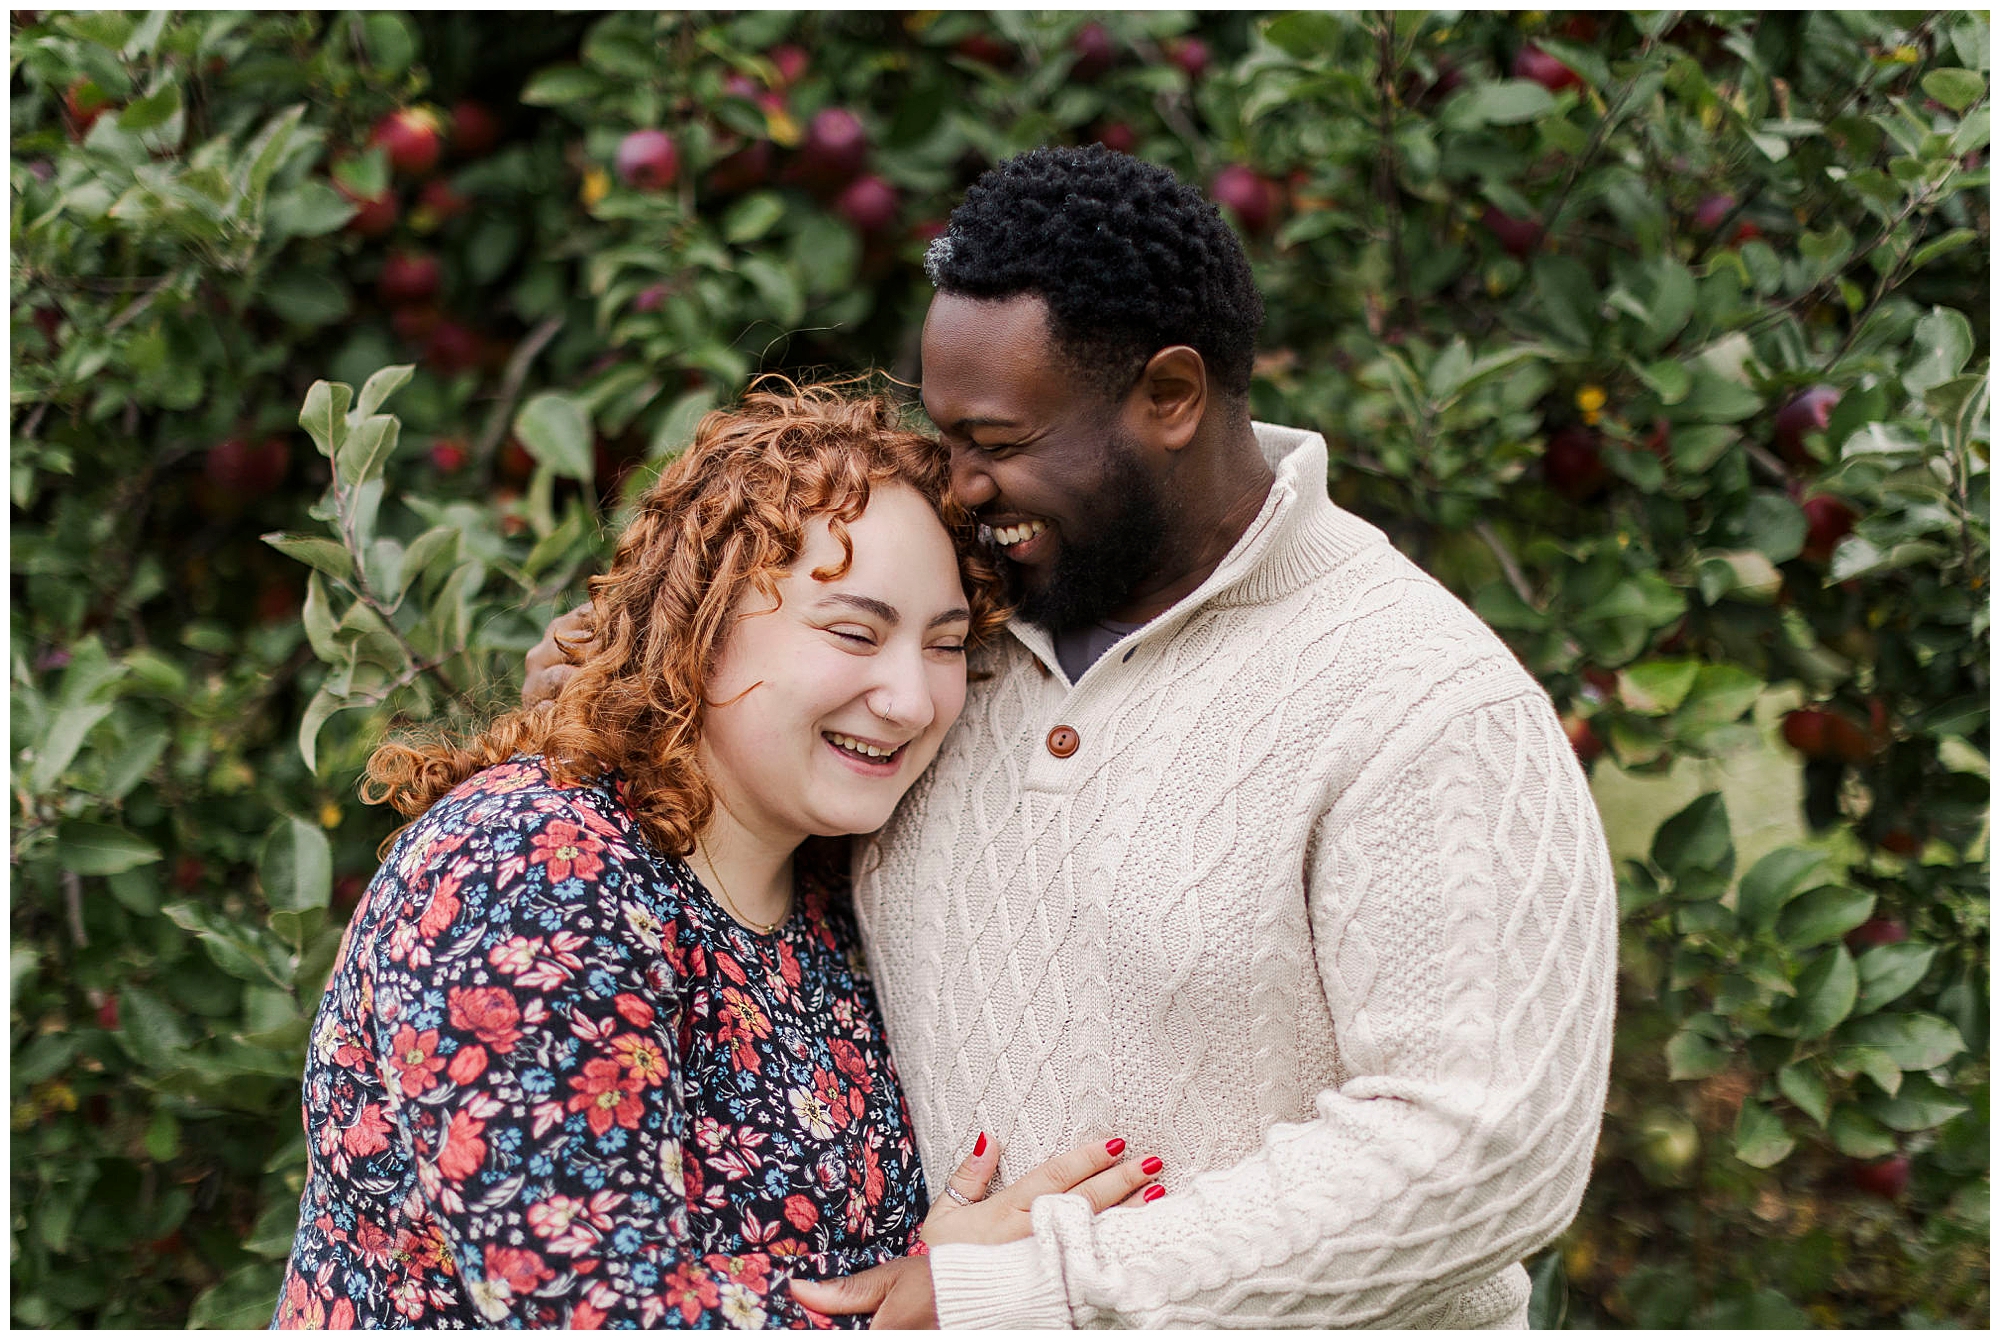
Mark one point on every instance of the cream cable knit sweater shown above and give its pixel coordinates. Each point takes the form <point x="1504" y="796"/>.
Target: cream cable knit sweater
<point x="1319" y="911"/>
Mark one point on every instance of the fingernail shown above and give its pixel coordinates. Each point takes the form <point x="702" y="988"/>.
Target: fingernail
<point x="1114" y="1146"/>
<point x="979" y="1148"/>
<point x="1152" y="1165"/>
<point x="1155" y="1191"/>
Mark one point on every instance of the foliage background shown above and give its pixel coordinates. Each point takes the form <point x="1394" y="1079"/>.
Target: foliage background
<point x="1549" y="333"/>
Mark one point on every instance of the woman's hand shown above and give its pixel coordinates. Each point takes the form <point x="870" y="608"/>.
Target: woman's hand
<point x="549" y="663"/>
<point x="1098" y="1171"/>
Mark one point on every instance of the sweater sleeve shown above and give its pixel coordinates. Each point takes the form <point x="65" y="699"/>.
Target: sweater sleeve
<point x="528" y="1032"/>
<point x="1464" y="914"/>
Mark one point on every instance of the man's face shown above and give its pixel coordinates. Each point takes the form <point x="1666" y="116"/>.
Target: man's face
<point x="1041" y="458"/>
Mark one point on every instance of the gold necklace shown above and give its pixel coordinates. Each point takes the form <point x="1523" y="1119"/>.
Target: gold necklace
<point x="730" y="903"/>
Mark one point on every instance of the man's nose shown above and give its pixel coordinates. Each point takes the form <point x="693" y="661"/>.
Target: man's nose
<point x="970" y="483"/>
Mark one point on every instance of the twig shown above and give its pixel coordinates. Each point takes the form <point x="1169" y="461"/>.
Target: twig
<point x="510" y="388"/>
<point x="133" y="311"/>
<point x="1508" y="563"/>
<point x="1599" y="135"/>
<point x="1768" y="463"/>
<point x="34" y="421"/>
<point x="1385" y="163"/>
<point x="72" y="887"/>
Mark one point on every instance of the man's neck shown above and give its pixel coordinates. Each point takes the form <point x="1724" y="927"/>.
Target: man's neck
<point x="1217" y="506"/>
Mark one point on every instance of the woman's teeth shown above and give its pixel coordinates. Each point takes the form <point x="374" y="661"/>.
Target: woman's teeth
<point x="854" y="746"/>
<point x="1009" y="536"/>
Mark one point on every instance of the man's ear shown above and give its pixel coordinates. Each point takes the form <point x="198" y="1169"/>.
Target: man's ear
<point x="1166" y="406"/>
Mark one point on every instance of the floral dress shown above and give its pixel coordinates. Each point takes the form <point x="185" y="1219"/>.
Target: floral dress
<point x="552" y="1083"/>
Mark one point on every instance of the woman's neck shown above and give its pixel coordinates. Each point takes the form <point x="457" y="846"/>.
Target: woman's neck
<point x="750" y="874"/>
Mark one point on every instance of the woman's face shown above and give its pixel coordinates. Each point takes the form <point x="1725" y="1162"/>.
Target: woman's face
<point x="855" y="679"/>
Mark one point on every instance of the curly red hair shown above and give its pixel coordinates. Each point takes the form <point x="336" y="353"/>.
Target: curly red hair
<point x="727" y="517"/>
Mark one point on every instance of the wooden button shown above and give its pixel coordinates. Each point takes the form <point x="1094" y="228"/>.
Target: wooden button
<point x="1063" y="741"/>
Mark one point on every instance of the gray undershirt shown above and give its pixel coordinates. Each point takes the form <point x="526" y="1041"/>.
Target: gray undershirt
<point x="1078" y="648"/>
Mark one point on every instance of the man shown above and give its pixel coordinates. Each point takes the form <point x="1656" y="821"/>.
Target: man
<point x="1254" y="846"/>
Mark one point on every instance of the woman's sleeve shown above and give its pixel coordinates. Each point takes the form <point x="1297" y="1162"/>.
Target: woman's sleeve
<point x="527" y="1022"/>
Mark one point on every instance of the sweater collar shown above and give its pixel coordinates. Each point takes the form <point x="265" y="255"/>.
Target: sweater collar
<point x="1299" y="534"/>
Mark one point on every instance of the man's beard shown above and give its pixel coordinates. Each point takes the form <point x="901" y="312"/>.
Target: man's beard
<point x="1093" y="577"/>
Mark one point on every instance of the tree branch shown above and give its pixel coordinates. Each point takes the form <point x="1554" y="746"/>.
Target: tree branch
<point x="510" y="388"/>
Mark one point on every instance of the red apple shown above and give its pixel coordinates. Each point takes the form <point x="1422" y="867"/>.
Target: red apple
<point x="1531" y="62"/>
<point x="236" y="467"/>
<point x="1517" y="237"/>
<point x="740" y="85"/>
<point x="413" y="138"/>
<point x="647" y="160"/>
<point x="1600" y="682"/>
<point x="452" y="348"/>
<point x="1573" y="464"/>
<point x="1713" y="209"/>
<point x="1827" y="521"/>
<point x="449" y="455"/>
<point x="85" y="102"/>
<point x="1579" y="28"/>
<point x="792" y="62"/>
<point x="1876" y="932"/>
<point x="1847" y="740"/>
<point x="744" y="170"/>
<point x="649" y="298"/>
<point x="347" y="890"/>
<point x="1117" y="136"/>
<point x="987" y="50"/>
<point x="278" y="602"/>
<point x="414" y="323"/>
<point x="1095" y="51"/>
<point x="409" y="277"/>
<point x="515" y="463"/>
<point x="835" y="149"/>
<point x="437" y="203"/>
<point x="1253" y="199"/>
<point x="1805" y="413"/>
<point x="1887" y="1178"/>
<point x="107" y="1014"/>
<point x="474" y="129"/>
<point x="1582" y="738"/>
<point x="869" y="203"/>
<point x="1191" y="54"/>
<point x="188" y="872"/>
<point x="1805" y="731"/>
<point x="377" y="214"/>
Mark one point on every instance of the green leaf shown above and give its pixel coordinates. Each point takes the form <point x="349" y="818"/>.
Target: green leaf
<point x="324" y="416"/>
<point x="1761" y="1139"/>
<point x="1304" y="34"/>
<point x="317" y="616"/>
<point x="752" y="216"/>
<point x="315" y="551"/>
<point x="100" y="849"/>
<point x="1956" y="89"/>
<point x="1654" y="688"/>
<point x="1775" y="525"/>
<point x="242" y="1301"/>
<point x="1889" y="971"/>
<point x="556" y="432"/>
<point x="153" y="110"/>
<point x="1802" y="1083"/>
<point x="1508" y="102"/>
<point x="380" y="386"/>
<point x="1941" y="342"/>
<point x="370" y="444"/>
<point x="1957" y="404"/>
<point x="1823" y="914"/>
<point x="1696" y="839"/>
<point x="295" y="866"/>
<point x="1874" y="1062"/>
<point x="1942" y="246"/>
<point x="1692" y="1056"/>
<point x="565" y="84"/>
<point x="1771" y="883"/>
<point x="1721" y="693"/>
<point x="391" y="44"/>
<point x="1826" y="991"/>
<point x="152" y="1029"/>
<point x="310" y="209"/>
<point x="675" y="431"/>
<point x="305" y="297"/>
<point x="1919" y="1105"/>
<point x="1914" y="1041"/>
<point x="1667" y="379"/>
<point x="1858" y="1135"/>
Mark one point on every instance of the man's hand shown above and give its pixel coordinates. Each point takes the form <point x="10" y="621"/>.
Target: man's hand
<point x="549" y="663"/>
<point x="899" y="1294"/>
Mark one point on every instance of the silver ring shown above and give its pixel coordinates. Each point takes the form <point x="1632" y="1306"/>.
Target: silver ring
<point x="957" y="1195"/>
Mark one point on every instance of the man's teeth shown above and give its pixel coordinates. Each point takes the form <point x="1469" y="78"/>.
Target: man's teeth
<point x="1009" y="536"/>
<point x="848" y="742"/>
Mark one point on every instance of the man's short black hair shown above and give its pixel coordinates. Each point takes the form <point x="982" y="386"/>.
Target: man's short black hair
<point x="1129" y="259"/>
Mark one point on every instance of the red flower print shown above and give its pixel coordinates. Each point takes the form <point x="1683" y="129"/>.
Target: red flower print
<point x="516" y="955"/>
<point x="488" y="1012"/>
<point x="633" y="1010"/>
<point x="302" y="1309"/>
<point x="522" y="1269"/>
<point x="586" y="1317"/>
<point x="416" y="1060"/>
<point x="847" y="1059"/>
<point x="468" y="1064"/>
<point x="438" y="913"/>
<point x="740" y="1024"/>
<point x="342" y="1316"/>
<point x="374" y="1243"/>
<point x="368" y="1135"/>
<point x="462" y="1151"/>
<point x="755" y="1271"/>
<point x="604" y="1095"/>
<point x="788" y="965"/>
<point x="566" y="849"/>
<point x="689" y="1289"/>
<point x="641" y="1057"/>
<point x="801" y="1213"/>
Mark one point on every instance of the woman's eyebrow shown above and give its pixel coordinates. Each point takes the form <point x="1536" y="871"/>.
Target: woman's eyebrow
<point x="959" y="615"/>
<point x="881" y="609"/>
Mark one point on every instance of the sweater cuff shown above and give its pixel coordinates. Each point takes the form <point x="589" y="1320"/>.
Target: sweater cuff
<point x="1004" y="1287"/>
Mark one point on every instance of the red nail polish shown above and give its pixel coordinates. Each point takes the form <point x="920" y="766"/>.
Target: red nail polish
<point x="979" y="1148"/>
<point x="1152" y="1165"/>
<point x="1155" y="1191"/>
<point x="1114" y="1146"/>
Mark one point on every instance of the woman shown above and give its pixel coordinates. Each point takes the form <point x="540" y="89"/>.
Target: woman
<point x="599" y="1048"/>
